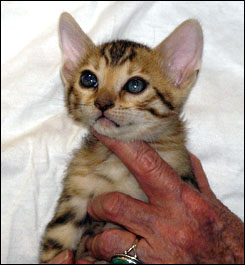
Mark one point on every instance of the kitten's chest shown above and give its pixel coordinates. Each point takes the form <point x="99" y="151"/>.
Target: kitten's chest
<point x="119" y="178"/>
<point x="95" y="170"/>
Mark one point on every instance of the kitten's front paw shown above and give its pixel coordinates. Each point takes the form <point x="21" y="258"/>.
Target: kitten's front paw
<point x="50" y="248"/>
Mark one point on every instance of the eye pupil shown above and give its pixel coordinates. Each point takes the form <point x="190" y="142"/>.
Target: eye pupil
<point x="135" y="85"/>
<point x="88" y="79"/>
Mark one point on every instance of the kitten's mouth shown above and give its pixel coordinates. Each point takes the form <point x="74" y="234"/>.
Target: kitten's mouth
<point x="106" y="122"/>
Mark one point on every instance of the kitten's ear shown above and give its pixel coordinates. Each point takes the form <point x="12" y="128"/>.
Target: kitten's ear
<point x="181" y="53"/>
<point x="74" y="44"/>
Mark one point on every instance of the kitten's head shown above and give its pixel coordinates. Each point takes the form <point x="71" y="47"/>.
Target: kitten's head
<point x="124" y="89"/>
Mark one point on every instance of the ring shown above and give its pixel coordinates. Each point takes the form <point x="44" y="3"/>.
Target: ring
<point x="125" y="258"/>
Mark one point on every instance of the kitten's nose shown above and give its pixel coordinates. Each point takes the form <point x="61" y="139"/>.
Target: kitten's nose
<point x="104" y="104"/>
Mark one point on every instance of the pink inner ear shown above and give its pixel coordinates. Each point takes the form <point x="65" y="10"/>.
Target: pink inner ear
<point x="74" y="43"/>
<point x="182" y="51"/>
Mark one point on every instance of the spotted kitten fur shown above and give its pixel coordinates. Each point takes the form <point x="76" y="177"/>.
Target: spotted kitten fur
<point x="127" y="91"/>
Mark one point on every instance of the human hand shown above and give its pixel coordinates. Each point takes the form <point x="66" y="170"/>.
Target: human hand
<point x="179" y="225"/>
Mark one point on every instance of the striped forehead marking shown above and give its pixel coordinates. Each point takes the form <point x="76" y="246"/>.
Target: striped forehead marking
<point x="118" y="52"/>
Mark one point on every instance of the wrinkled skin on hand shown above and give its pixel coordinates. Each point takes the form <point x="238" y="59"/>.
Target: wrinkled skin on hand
<point x="179" y="225"/>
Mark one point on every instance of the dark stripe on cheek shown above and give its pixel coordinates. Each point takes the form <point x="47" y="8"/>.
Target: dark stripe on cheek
<point x="155" y="113"/>
<point x="163" y="99"/>
<point x="51" y="244"/>
<point x="61" y="220"/>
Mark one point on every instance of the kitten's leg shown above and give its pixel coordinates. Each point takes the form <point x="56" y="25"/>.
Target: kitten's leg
<point x="92" y="229"/>
<point x="64" y="231"/>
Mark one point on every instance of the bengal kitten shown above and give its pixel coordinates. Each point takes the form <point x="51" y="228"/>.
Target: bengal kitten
<point x="127" y="91"/>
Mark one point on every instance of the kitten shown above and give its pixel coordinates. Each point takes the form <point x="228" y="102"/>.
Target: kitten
<point x="127" y="91"/>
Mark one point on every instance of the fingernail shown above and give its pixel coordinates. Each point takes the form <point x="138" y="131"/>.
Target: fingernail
<point x="63" y="256"/>
<point x="67" y="255"/>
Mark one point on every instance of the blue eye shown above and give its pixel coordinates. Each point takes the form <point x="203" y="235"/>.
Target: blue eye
<point x="88" y="79"/>
<point x="135" y="85"/>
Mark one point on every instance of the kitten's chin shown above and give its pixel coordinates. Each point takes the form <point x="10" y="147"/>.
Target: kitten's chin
<point x="106" y="127"/>
<point x="106" y="123"/>
<point x="124" y="133"/>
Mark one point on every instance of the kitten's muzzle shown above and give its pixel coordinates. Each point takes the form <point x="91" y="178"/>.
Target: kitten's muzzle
<point x="104" y="104"/>
<point x="103" y="116"/>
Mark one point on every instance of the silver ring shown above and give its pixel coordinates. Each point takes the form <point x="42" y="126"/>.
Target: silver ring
<point x="125" y="258"/>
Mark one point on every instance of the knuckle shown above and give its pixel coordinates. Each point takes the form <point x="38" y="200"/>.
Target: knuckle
<point x="113" y="204"/>
<point x="154" y="225"/>
<point x="154" y="221"/>
<point x="200" y="208"/>
<point x="184" y="238"/>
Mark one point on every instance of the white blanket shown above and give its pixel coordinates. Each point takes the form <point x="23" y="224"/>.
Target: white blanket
<point x="38" y="137"/>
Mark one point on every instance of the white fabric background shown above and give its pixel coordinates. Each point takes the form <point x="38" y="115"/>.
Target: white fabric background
<point x="38" y="137"/>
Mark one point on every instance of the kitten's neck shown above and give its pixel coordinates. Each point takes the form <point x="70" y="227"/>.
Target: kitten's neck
<point x="171" y="135"/>
<point x="170" y="145"/>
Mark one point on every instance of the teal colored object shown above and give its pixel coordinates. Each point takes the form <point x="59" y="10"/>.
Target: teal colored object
<point x="120" y="261"/>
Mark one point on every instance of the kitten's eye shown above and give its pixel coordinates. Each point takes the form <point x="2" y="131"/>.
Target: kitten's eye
<point x="135" y="85"/>
<point x="88" y="79"/>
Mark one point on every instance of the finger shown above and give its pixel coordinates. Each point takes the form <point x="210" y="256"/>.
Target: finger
<point x="154" y="175"/>
<point x="112" y="241"/>
<point x="136" y="216"/>
<point x="200" y="175"/>
<point x="83" y="262"/>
